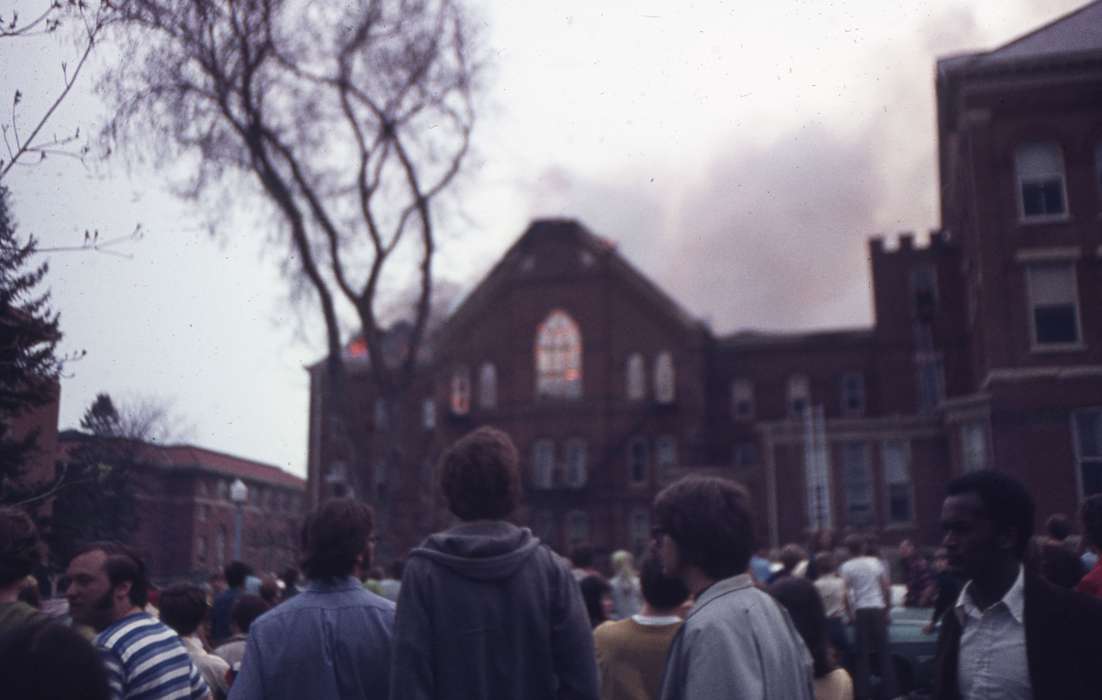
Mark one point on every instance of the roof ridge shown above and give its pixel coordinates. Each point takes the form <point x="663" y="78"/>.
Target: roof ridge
<point x="1044" y="27"/>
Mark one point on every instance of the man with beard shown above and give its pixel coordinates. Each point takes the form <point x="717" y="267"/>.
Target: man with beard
<point x="1011" y="635"/>
<point x="143" y="657"/>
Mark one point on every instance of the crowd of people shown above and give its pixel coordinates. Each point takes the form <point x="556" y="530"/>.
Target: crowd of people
<point x="485" y="610"/>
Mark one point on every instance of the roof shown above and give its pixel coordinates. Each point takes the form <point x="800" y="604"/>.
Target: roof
<point x="185" y="457"/>
<point x="1076" y="34"/>
<point x="750" y="339"/>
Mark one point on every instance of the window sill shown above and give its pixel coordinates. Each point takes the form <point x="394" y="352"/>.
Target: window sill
<point x="1044" y="219"/>
<point x="1040" y="349"/>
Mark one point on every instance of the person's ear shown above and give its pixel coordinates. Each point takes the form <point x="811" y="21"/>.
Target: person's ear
<point x="122" y="590"/>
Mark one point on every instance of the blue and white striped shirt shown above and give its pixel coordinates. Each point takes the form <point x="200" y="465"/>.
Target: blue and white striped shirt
<point x="146" y="660"/>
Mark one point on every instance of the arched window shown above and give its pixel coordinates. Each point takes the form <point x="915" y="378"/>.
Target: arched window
<point x="799" y="395"/>
<point x="543" y="463"/>
<point x="558" y="357"/>
<point x="577" y="526"/>
<point x="636" y="378"/>
<point x="461" y="391"/>
<point x="575" y="463"/>
<point x="487" y="386"/>
<point x="664" y="378"/>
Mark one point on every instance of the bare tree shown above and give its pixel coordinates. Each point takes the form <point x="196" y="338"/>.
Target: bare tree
<point x="349" y="119"/>
<point x="29" y="144"/>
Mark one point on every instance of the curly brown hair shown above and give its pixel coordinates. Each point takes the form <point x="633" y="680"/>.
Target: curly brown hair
<point x="18" y="546"/>
<point x="335" y="537"/>
<point x="711" y="522"/>
<point x="479" y="475"/>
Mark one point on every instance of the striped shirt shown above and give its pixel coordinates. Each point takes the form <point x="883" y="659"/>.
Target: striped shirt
<point x="146" y="660"/>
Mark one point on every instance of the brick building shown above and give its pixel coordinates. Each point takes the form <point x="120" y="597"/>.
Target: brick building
<point x="186" y="520"/>
<point x="986" y="350"/>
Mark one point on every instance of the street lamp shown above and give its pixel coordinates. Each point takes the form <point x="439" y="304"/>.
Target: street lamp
<point x="239" y="494"/>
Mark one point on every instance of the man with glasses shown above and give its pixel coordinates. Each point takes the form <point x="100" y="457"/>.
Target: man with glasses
<point x="736" y="640"/>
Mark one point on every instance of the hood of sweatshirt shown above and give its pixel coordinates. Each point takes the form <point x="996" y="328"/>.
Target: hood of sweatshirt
<point x="484" y="551"/>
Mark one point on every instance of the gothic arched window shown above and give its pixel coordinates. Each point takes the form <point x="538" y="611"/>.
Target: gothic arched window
<point x="558" y="357"/>
<point x="487" y="386"/>
<point x="636" y="378"/>
<point x="664" y="378"/>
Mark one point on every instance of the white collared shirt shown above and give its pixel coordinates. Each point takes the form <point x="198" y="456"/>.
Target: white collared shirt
<point x="993" y="664"/>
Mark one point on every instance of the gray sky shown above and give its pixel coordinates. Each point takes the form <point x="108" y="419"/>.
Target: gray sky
<point x="755" y="146"/>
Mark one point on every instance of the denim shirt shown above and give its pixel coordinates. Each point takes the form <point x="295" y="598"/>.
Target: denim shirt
<point x="330" y="641"/>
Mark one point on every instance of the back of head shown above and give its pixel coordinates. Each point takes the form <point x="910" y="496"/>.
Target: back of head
<point x="1004" y="499"/>
<point x="236" y="572"/>
<point x="824" y="563"/>
<point x="791" y="555"/>
<point x="479" y="476"/>
<point x="711" y="522"/>
<point x="183" y="608"/>
<point x="594" y="589"/>
<point x="246" y="609"/>
<point x="335" y="539"/>
<point x="1058" y="527"/>
<point x="581" y="555"/>
<point x="18" y="546"/>
<point x="1058" y="565"/>
<point x="855" y="544"/>
<point x="800" y="597"/>
<point x="663" y="593"/>
<point x="123" y="565"/>
<point x="43" y="660"/>
<point x="1091" y="513"/>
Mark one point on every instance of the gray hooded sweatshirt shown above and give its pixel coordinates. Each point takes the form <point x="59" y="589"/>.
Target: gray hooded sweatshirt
<point x="485" y="612"/>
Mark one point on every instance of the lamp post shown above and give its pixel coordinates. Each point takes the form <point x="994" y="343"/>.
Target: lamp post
<point x="239" y="494"/>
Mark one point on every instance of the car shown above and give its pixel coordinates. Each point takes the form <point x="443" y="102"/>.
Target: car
<point x="912" y="651"/>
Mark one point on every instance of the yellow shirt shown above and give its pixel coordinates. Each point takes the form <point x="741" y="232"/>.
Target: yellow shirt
<point x="631" y="657"/>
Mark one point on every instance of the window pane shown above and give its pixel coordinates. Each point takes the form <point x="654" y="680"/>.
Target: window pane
<point x="461" y="391"/>
<point x="487" y="386"/>
<point x="1088" y="427"/>
<point x="636" y="379"/>
<point x="858" y="484"/>
<point x="559" y="357"/>
<point x="746" y="455"/>
<point x="1051" y="284"/>
<point x="742" y="399"/>
<point x="1055" y="324"/>
<point x="973" y="437"/>
<point x="1040" y="171"/>
<point x="543" y="463"/>
<point x="897" y="476"/>
<point x="1038" y="160"/>
<point x="637" y="460"/>
<point x="575" y="463"/>
<point x="799" y="394"/>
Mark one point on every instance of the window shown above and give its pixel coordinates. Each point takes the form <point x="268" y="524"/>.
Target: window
<point x="897" y="481"/>
<point x="380" y="415"/>
<point x="428" y="414"/>
<point x="742" y="399"/>
<point x="857" y="483"/>
<point x="1087" y="426"/>
<point x="930" y="370"/>
<point x="487" y="386"/>
<point x="746" y="454"/>
<point x="558" y="358"/>
<point x="202" y="514"/>
<point x="1040" y="171"/>
<point x="224" y="490"/>
<point x="637" y="460"/>
<point x="973" y="445"/>
<point x="639" y="529"/>
<point x="461" y="391"/>
<point x="577" y="526"/>
<point x="799" y="395"/>
<point x="201" y="550"/>
<point x="664" y="378"/>
<point x="853" y="394"/>
<point x="543" y="464"/>
<point x="543" y="525"/>
<point x="220" y="547"/>
<point x="575" y="463"/>
<point x="1054" y="303"/>
<point x="923" y="291"/>
<point x="636" y="378"/>
<point x="665" y="454"/>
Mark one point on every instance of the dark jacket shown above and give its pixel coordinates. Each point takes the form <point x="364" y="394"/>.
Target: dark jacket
<point x="487" y="611"/>
<point x="1063" y="640"/>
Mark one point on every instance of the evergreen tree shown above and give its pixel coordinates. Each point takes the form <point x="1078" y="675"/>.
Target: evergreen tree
<point x="98" y="499"/>
<point x="29" y="366"/>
